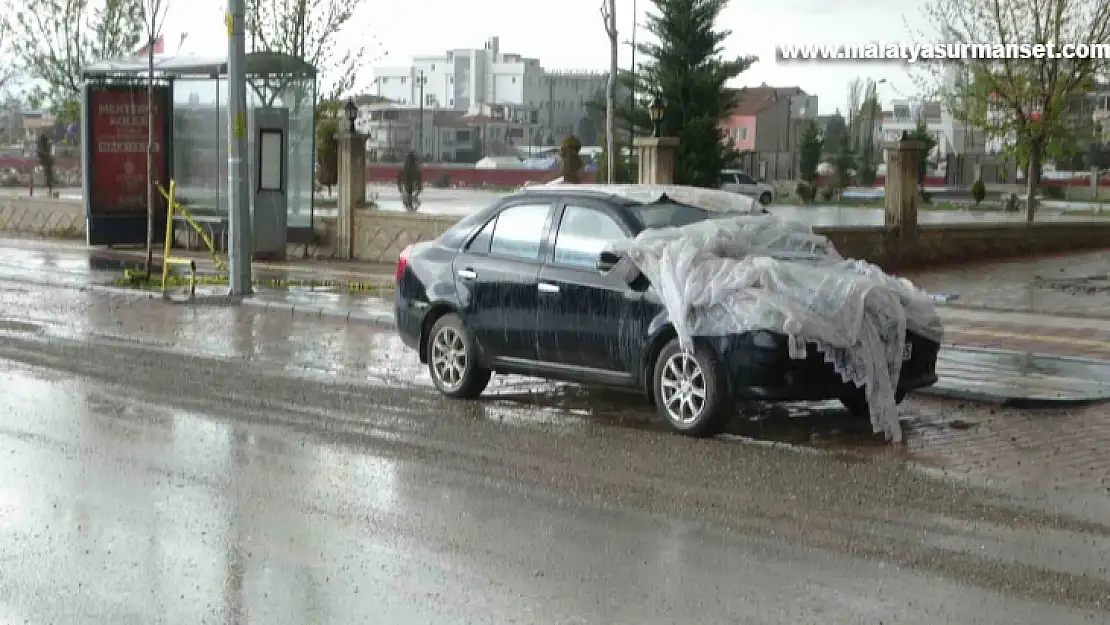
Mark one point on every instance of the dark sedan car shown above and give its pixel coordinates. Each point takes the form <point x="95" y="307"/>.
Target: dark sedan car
<point x="523" y="287"/>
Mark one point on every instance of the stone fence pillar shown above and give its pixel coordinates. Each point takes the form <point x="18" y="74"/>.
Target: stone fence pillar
<point x="656" y="156"/>
<point x="902" y="158"/>
<point x="352" y="190"/>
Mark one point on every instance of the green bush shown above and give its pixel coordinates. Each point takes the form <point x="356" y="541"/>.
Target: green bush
<point x="978" y="191"/>
<point x="327" y="152"/>
<point x="1012" y="205"/>
<point x="926" y="197"/>
<point x="571" y="159"/>
<point x="828" y="193"/>
<point x="804" y="191"/>
<point x="442" y="181"/>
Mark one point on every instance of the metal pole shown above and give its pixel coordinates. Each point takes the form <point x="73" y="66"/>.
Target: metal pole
<point x="420" y="124"/>
<point x="238" y="174"/>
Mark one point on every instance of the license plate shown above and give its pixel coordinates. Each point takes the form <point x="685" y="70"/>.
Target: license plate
<point x="907" y="352"/>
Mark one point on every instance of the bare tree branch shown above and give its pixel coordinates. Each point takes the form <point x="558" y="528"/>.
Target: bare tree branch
<point x="54" y="39"/>
<point x="306" y="30"/>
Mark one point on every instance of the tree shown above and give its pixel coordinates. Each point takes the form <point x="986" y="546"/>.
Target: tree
<point x="1010" y="95"/>
<point x="154" y="17"/>
<point x="308" y="30"/>
<point x="869" y="113"/>
<point x="570" y="159"/>
<point x="327" y="152"/>
<point x="46" y="161"/>
<point x="844" y="163"/>
<point x="685" y="68"/>
<point x="811" y="148"/>
<point x="7" y="69"/>
<point x="834" y="130"/>
<point x="922" y="135"/>
<point x="625" y="173"/>
<point x="410" y="182"/>
<point x="855" y="103"/>
<point x="609" y="14"/>
<point x="54" y="39"/>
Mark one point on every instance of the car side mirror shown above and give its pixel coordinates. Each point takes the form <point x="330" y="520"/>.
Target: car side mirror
<point x="606" y="261"/>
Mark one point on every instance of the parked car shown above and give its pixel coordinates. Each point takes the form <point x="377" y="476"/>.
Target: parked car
<point x="525" y="287"/>
<point x="737" y="181"/>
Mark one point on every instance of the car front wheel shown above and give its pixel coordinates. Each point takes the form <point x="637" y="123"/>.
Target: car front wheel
<point x="687" y="394"/>
<point x="453" y="359"/>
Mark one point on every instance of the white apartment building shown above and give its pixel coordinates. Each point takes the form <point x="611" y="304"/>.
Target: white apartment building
<point x="467" y="79"/>
<point x="903" y="116"/>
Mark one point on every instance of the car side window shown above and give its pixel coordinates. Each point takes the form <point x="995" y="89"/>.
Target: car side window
<point x="519" y="231"/>
<point x="744" y="179"/>
<point x="727" y="179"/>
<point x="480" y="244"/>
<point x="583" y="234"/>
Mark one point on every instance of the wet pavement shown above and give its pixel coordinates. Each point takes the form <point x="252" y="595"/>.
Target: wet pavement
<point x="459" y="202"/>
<point x="1033" y="373"/>
<point x="179" y="464"/>
<point x="1068" y="284"/>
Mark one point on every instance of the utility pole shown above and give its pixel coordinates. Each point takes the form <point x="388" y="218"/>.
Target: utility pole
<point x="420" y="123"/>
<point x="238" y="173"/>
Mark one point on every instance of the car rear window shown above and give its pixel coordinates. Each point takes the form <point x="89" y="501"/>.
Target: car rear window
<point x="668" y="214"/>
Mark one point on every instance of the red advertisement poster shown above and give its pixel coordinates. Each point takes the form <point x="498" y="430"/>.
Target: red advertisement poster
<point x="118" y="134"/>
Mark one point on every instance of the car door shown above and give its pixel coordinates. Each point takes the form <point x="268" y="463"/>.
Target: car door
<point x="496" y="273"/>
<point x="587" y="319"/>
<point x="728" y="182"/>
<point x="746" y="185"/>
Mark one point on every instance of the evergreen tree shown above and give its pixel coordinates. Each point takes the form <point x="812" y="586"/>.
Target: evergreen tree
<point x="845" y="163"/>
<point x="811" y="149"/>
<point x="685" y="67"/>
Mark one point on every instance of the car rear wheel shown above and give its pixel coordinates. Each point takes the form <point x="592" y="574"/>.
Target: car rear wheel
<point x="765" y="198"/>
<point x="687" y="394"/>
<point x="453" y="359"/>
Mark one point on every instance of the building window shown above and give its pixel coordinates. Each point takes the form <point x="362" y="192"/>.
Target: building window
<point x="433" y="67"/>
<point x="514" y="80"/>
<point x="385" y="80"/>
<point x="451" y="79"/>
<point x="403" y="80"/>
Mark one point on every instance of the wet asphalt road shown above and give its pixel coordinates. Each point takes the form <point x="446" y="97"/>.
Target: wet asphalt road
<point x="173" y="464"/>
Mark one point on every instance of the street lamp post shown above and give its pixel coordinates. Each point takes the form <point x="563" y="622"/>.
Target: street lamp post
<point x="351" y="111"/>
<point x="655" y="112"/>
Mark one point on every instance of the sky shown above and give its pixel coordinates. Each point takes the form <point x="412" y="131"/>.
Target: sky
<point x="569" y="34"/>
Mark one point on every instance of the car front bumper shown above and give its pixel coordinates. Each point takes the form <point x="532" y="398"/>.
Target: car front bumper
<point x="769" y="373"/>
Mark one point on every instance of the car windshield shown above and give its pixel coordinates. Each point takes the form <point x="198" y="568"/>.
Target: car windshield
<point x="667" y="214"/>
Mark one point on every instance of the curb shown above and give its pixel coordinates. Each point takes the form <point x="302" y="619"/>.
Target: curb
<point x="383" y="319"/>
<point x="1009" y="401"/>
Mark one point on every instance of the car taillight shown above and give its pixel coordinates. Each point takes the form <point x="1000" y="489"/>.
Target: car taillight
<point x="402" y="262"/>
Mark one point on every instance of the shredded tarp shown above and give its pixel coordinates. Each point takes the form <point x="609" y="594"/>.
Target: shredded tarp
<point x="712" y="200"/>
<point x="759" y="272"/>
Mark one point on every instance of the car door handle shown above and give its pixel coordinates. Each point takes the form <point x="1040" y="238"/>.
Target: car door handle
<point x="467" y="274"/>
<point x="546" y="287"/>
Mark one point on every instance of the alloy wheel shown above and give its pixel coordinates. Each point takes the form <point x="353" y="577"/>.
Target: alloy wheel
<point x="449" y="358"/>
<point x="682" y="386"/>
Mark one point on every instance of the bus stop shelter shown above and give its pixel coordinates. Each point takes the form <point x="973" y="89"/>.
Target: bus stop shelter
<point x="191" y="130"/>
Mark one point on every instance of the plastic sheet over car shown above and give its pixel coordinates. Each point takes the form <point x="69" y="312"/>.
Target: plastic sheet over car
<point x="750" y="272"/>
<point x="712" y="200"/>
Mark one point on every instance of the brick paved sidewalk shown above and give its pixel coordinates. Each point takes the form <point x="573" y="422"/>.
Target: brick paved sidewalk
<point x="1072" y="284"/>
<point x="1075" y="337"/>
